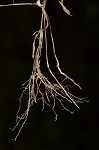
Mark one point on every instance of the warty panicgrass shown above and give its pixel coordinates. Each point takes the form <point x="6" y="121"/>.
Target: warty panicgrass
<point x="56" y="90"/>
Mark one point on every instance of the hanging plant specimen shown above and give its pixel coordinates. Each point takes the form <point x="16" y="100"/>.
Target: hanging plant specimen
<point x="57" y="90"/>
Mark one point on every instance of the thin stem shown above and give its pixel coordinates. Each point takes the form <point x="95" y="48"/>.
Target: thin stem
<point x="18" y="4"/>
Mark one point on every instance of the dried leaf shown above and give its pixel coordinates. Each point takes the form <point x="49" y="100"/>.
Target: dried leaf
<point x="64" y="8"/>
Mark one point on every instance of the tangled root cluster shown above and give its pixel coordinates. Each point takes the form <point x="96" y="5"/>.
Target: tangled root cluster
<point x="56" y="90"/>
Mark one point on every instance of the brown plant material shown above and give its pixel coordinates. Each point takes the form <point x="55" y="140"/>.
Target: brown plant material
<point x="64" y="8"/>
<point x="56" y="90"/>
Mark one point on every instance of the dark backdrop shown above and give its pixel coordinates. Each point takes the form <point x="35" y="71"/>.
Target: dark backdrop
<point x="77" y="47"/>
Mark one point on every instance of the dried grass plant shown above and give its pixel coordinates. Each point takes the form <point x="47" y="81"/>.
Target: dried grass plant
<point x="56" y="90"/>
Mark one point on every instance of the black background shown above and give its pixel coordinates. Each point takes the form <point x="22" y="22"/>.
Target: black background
<point x="77" y="47"/>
